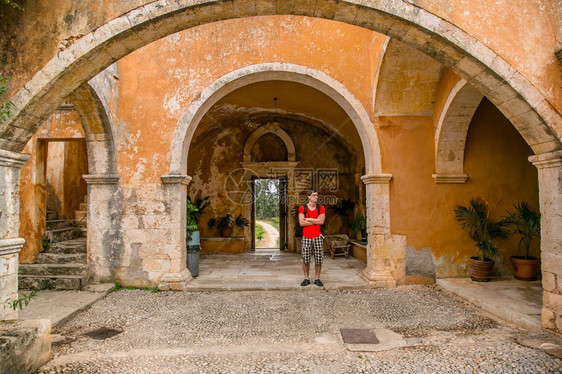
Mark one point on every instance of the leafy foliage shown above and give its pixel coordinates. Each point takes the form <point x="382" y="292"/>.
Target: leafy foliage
<point x="260" y="233"/>
<point x="240" y="221"/>
<point x="21" y="301"/>
<point x="359" y="224"/>
<point x="267" y="198"/>
<point x="5" y="106"/>
<point x="13" y="4"/>
<point x="45" y="244"/>
<point x="475" y="221"/>
<point x="524" y="222"/>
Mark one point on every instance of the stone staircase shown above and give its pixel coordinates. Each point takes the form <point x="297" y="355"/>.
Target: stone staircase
<point x="63" y="266"/>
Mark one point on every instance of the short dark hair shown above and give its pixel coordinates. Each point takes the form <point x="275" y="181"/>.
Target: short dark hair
<point x="310" y="192"/>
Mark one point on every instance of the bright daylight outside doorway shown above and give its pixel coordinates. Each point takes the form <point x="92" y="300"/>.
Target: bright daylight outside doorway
<point x="266" y="215"/>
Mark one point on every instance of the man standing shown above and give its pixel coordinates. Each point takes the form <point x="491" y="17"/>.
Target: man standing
<point x="311" y="219"/>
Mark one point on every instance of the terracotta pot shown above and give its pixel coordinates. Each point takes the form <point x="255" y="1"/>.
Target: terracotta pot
<point x="480" y="271"/>
<point x="525" y="269"/>
<point x="225" y="233"/>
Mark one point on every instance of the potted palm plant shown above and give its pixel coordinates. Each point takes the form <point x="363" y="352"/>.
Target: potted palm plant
<point x="474" y="219"/>
<point x="524" y="222"/>
<point x="359" y="225"/>
<point x="223" y="223"/>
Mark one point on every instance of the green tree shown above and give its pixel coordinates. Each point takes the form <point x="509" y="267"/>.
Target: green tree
<point x="13" y="4"/>
<point x="267" y="198"/>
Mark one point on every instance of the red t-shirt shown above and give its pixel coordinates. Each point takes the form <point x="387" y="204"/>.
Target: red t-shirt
<point x="313" y="231"/>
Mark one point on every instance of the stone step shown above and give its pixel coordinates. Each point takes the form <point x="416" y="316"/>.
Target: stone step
<point x="59" y="224"/>
<point x="52" y="215"/>
<point x="60" y="258"/>
<point x="68" y="246"/>
<point x="83" y="206"/>
<point x="33" y="282"/>
<point x="49" y="270"/>
<point x="81" y="218"/>
<point x="60" y="235"/>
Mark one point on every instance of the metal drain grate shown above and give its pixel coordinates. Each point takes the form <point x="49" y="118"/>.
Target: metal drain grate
<point x="103" y="333"/>
<point x="358" y="336"/>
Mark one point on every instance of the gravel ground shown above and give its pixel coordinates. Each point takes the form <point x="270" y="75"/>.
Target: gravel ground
<point x="291" y="332"/>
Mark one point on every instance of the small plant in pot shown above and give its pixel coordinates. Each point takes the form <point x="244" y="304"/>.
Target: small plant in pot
<point x="359" y="225"/>
<point x="524" y="222"/>
<point x="223" y="223"/>
<point x="474" y="219"/>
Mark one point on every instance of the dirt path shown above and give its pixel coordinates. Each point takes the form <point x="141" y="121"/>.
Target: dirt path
<point x="271" y="235"/>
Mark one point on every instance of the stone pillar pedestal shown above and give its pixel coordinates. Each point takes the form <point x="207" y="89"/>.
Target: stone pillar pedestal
<point x="9" y="249"/>
<point x="177" y="276"/>
<point x="549" y="166"/>
<point x="105" y="237"/>
<point x="10" y="244"/>
<point x="386" y="253"/>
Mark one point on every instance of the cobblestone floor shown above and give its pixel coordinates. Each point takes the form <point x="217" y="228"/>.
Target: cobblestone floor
<point x="292" y="332"/>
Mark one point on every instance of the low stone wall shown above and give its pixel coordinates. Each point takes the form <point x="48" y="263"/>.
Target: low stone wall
<point x="24" y="345"/>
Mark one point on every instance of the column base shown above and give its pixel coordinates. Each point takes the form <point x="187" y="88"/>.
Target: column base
<point x="378" y="278"/>
<point x="175" y="281"/>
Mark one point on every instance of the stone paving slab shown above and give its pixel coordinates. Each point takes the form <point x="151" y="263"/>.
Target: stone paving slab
<point x="60" y="306"/>
<point x="514" y="301"/>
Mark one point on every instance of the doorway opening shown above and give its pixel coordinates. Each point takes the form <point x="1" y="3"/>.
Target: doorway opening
<point x="269" y="214"/>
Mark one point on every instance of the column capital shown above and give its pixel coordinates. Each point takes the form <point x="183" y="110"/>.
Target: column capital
<point x="175" y="179"/>
<point x="9" y="246"/>
<point x="101" y="178"/>
<point x="12" y="159"/>
<point x="547" y="160"/>
<point x="376" y="178"/>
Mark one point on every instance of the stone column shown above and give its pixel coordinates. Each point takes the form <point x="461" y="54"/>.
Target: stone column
<point x="10" y="244"/>
<point x="175" y="189"/>
<point x="386" y="253"/>
<point x="105" y="237"/>
<point x="549" y="166"/>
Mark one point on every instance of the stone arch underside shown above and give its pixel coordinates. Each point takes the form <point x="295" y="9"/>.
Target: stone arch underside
<point x="450" y="134"/>
<point x="532" y="114"/>
<point x="97" y="129"/>
<point x="270" y="128"/>
<point x="274" y="71"/>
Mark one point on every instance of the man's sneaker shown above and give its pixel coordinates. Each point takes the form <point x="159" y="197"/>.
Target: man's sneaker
<point x="318" y="283"/>
<point x="305" y="282"/>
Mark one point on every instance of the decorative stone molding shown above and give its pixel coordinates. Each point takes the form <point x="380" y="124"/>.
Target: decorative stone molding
<point x="9" y="246"/>
<point x="547" y="160"/>
<point x="450" y="178"/>
<point x="176" y="179"/>
<point x="376" y="178"/>
<point x="12" y="159"/>
<point x="270" y="128"/>
<point x="101" y="178"/>
<point x="175" y="281"/>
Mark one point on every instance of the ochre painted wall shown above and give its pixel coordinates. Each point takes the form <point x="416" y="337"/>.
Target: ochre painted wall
<point x="496" y="162"/>
<point x="63" y="128"/>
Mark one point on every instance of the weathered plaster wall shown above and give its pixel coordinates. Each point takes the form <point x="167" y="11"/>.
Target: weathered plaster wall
<point x="498" y="169"/>
<point x="62" y="125"/>
<point x="500" y="26"/>
<point x="447" y="81"/>
<point x="158" y="82"/>
<point x="216" y="154"/>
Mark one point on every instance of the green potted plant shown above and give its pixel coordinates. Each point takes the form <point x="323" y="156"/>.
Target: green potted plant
<point x="193" y="244"/>
<point x="358" y="226"/>
<point x="223" y="223"/>
<point x="241" y="222"/>
<point x="474" y="219"/>
<point x="524" y="223"/>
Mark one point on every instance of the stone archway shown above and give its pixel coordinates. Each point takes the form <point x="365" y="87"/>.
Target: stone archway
<point x="386" y="254"/>
<point x="524" y="105"/>
<point x="450" y="135"/>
